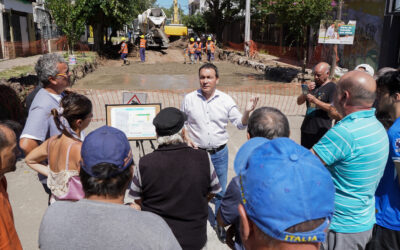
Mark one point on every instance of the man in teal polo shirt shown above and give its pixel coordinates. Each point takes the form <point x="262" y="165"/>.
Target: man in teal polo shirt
<point x="355" y="151"/>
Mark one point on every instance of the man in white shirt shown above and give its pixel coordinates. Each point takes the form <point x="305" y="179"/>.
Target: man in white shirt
<point x="208" y="111"/>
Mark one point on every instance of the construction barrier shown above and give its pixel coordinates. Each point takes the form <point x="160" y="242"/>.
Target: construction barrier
<point x="281" y="96"/>
<point x="23" y="49"/>
<point x="318" y="53"/>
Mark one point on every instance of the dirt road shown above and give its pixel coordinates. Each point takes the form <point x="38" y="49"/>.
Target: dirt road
<point x="164" y="70"/>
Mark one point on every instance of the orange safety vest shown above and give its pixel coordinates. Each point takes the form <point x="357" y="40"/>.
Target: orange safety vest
<point x="191" y="48"/>
<point x="198" y="49"/>
<point x="124" y="48"/>
<point x="210" y="46"/>
<point x="142" y="43"/>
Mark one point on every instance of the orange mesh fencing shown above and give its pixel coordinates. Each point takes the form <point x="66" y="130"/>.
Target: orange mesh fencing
<point x="281" y="96"/>
<point x="318" y="53"/>
<point x="22" y="49"/>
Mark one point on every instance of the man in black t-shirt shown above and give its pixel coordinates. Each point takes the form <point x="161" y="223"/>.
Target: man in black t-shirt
<point x="318" y="100"/>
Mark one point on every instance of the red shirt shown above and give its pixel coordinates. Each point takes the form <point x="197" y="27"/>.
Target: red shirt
<point x="8" y="235"/>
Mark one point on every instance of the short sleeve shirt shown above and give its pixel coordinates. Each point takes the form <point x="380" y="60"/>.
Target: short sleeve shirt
<point x="317" y="119"/>
<point x="40" y="123"/>
<point x="355" y="151"/>
<point x="388" y="193"/>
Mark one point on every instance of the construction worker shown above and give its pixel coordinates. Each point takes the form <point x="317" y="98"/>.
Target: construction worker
<point x="124" y="51"/>
<point x="199" y="50"/>
<point x="210" y="47"/>
<point x="191" y="50"/>
<point x="142" y="49"/>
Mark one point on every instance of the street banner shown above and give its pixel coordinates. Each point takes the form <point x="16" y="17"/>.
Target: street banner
<point x="336" y="32"/>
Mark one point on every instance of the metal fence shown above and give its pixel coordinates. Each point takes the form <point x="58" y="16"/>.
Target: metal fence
<point x="281" y="96"/>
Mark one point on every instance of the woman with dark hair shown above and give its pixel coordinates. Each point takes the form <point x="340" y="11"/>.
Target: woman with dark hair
<point x="63" y="152"/>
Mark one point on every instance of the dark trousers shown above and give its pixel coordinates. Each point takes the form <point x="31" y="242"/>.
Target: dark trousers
<point x="309" y="140"/>
<point x="384" y="239"/>
<point x="142" y="54"/>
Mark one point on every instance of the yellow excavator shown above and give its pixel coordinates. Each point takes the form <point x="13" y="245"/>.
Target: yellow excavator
<point x="175" y="28"/>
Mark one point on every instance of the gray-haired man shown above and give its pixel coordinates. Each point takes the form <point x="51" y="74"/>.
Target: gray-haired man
<point x="53" y="73"/>
<point x="267" y="122"/>
<point x="176" y="181"/>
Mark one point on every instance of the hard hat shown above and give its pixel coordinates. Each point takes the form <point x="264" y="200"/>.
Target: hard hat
<point x="192" y="39"/>
<point x="142" y="36"/>
<point x="122" y="38"/>
<point x="198" y="39"/>
<point x="209" y="38"/>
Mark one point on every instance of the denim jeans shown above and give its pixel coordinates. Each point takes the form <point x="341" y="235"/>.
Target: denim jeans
<point x="142" y="54"/>
<point x="220" y="162"/>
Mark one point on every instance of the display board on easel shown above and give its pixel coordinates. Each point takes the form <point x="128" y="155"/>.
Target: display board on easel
<point x="136" y="121"/>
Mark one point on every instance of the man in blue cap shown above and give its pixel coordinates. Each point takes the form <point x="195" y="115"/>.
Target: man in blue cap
<point x="267" y="122"/>
<point x="287" y="195"/>
<point x="101" y="221"/>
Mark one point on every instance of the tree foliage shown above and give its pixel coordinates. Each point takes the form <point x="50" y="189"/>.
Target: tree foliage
<point x="102" y="14"/>
<point x="68" y="17"/>
<point x="196" y="22"/>
<point x="298" y="15"/>
<point x="220" y="13"/>
<point x="169" y="12"/>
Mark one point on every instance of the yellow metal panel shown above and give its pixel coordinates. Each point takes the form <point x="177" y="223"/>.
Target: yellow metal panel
<point x="172" y="30"/>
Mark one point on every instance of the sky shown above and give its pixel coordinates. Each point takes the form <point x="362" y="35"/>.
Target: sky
<point x="167" y="3"/>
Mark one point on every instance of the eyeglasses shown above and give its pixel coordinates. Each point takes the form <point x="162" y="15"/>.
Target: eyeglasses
<point x="65" y="75"/>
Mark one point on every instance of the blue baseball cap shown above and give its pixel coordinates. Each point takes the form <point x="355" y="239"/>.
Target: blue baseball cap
<point x="283" y="184"/>
<point x="106" y="145"/>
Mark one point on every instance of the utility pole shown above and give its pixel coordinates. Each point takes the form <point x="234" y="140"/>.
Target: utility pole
<point x="335" y="46"/>
<point x="247" y="24"/>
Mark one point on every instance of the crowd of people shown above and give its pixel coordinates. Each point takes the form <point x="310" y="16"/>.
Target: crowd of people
<point x="338" y="190"/>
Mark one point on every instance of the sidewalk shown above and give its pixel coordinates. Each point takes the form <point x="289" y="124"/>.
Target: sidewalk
<point x="20" y="61"/>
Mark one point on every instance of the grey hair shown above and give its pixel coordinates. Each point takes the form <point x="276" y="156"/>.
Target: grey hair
<point x="268" y="122"/>
<point x="171" y="139"/>
<point x="46" y="67"/>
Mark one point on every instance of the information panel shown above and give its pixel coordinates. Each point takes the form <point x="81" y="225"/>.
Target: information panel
<point x="136" y="121"/>
<point x="336" y="32"/>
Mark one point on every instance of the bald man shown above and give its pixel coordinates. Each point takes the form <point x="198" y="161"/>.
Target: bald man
<point x="355" y="151"/>
<point x="318" y="97"/>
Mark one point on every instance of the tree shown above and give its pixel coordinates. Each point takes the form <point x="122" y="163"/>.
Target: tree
<point x="196" y="22"/>
<point x="68" y="17"/>
<point x="220" y="13"/>
<point x="101" y="14"/>
<point x="298" y="16"/>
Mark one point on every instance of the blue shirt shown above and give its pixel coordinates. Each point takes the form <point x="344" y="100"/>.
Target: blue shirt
<point x="388" y="193"/>
<point x="355" y="151"/>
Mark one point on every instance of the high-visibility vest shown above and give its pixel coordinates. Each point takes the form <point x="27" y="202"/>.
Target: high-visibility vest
<point x="124" y="48"/>
<point x="198" y="49"/>
<point x="210" y="46"/>
<point x="142" y="43"/>
<point x="191" y="48"/>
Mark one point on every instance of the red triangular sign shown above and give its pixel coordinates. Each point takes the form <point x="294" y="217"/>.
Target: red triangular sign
<point x="134" y="97"/>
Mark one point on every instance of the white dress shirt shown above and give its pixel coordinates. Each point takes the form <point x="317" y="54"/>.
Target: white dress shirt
<point x="207" y="119"/>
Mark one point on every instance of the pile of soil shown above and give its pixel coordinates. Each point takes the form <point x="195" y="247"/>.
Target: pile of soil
<point x="179" y="44"/>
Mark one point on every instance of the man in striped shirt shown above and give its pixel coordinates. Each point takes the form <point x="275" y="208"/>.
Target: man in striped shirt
<point x="355" y="151"/>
